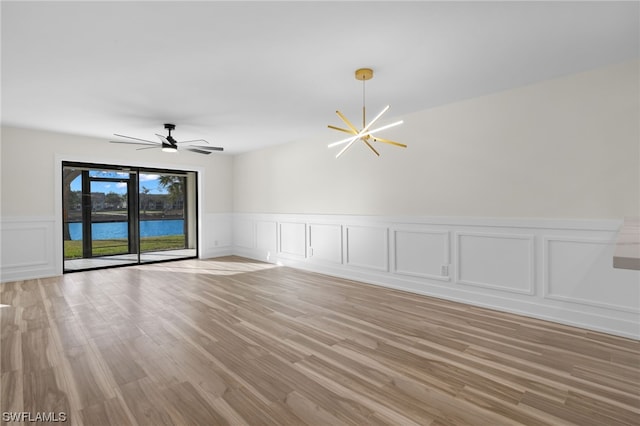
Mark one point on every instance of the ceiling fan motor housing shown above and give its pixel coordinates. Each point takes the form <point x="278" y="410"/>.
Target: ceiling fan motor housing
<point x="170" y="139"/>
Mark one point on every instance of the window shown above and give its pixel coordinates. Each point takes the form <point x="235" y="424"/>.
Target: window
<point x="115" y="215"/>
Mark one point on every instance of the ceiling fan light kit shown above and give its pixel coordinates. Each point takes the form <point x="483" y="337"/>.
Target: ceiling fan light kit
<point x="366" y="134"/>
<point x="169" y="144"/>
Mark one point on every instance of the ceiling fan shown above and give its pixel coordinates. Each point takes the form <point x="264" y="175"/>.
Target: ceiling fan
<point x="169" y="144"/>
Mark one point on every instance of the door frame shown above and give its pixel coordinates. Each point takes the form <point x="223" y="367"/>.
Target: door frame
<point x="58" y="242"/>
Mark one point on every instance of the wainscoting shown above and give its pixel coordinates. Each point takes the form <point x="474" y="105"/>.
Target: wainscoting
<point x="559" y="270"/>
<point x="30" y="248"/>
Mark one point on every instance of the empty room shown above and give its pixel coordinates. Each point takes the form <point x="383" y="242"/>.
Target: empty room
<point x="320" y="213"/>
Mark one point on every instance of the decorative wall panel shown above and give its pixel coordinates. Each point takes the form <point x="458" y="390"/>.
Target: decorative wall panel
<point x="244" y="233"/>
<point x="367" y="247"/>
<point x="422" y="253"/>
<point x="293" y="239"/>
<point x="325" y="242"/>
<point x="28" y="248"/>
<point x="581" y="271"/>
<point x="498" y="261"/>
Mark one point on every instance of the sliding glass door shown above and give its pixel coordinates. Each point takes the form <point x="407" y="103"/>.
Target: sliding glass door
<point x="166" y="201"/>
<point x="115" y="216"/>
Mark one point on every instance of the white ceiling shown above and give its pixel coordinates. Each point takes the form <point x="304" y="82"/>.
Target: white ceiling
<point x="245" y="75"/>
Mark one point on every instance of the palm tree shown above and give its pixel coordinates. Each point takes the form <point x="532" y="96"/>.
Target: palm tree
<point x="144" y="200"/>
<point x="174" y="185"/>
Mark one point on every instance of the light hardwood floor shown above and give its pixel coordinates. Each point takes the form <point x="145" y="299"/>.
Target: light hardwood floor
<point x="233" y="341"/>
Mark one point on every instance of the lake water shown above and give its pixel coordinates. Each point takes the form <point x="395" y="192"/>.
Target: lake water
<point x="112" y="230"/>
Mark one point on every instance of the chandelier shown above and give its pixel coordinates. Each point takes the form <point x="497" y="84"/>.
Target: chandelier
<point x="366" y="133"/>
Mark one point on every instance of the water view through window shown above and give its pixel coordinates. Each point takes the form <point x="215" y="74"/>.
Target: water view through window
<point x="116" y="215"/>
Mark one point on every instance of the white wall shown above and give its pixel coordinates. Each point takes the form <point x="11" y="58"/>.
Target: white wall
<point x="510" y="201"/>
<point x="565" y="148"/>
<point x="31" y="194"/>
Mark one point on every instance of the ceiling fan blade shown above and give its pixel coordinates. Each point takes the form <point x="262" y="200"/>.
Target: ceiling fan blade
<point x="137" y="143"/>
<point x="192" y="141"/>
<point x="163" y="140"/>
<point x="149" y="147"/>
<point x="208" y="148"/>
<point x="199" y="151"/>
<point x="131" y="137"/>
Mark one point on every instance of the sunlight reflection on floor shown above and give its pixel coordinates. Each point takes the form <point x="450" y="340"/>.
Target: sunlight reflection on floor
<point x="230" y="265"/>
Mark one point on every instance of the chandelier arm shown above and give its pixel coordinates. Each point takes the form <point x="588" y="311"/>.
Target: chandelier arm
<point x="342" y="130"/>
<point x="361" y="135"/>
<point x="347" y="122"/>
<point x="346" y="147"/>
<point x="372" y="148"/>
<point x="365" y="131"/>
<point x="366" y="128"/>
<point x="376" y="139"/>
<point x="342" y="141"/>
<point x="388" y="126"/>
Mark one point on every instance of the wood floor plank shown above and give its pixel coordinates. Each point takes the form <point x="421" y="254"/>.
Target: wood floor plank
<point x="105" y="413"/>
<point x="11" y="391"/>
<point x="236" y="341"/>
<point x="146" y="403"/>
<point x="187" y="407"/>
<point x="42" y="392"/>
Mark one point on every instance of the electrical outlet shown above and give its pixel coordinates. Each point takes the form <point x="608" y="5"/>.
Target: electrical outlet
<point x="444" y="270"/>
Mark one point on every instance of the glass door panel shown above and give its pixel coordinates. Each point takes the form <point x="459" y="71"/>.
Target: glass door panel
<point x="109" y="217"/>
<point x="163" y="219"/>
<point x="72" y="213"/>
